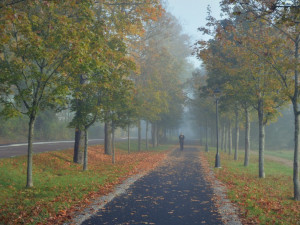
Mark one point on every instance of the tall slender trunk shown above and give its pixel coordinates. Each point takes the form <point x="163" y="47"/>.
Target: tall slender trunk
<point x="139" y="135"/>
<point x="225" y="138"/>
<point x="113" y="145"/>
<point x="77" y="144"/>
<point x="78" y="156"/>
<point x="230" y="138"/>
<point x="237" y="135"/>
<point x="261" y="141"/>
<point x="221" y="141"/>
<point x="147" y="128"/>
<point x="206" y="134"/>
<point x="247" y="138"/>
<point x="107" y="138"/>
<point x="86" y="142"/>
<point x="157" y="135"/>
<point x="128" y="140"/>
<point x="212" y="139"/>
<point x="165" y="135"/>
<point x="295" y="101"/>
<point x="217" y="161"/>
<point x="29" y="183"/>
<point x="152" y="135"/>
<point x="201" y="136"/>
<point x="296" y="153"/>
<point x="85" y="155"/>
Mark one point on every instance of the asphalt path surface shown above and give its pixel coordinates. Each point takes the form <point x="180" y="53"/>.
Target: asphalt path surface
<point x="173" y="194"/>
<point x="13" y="150"/>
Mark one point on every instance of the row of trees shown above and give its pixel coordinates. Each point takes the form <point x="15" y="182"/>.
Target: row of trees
<point x="110" y="61"/>
<point x="254" y="59"/>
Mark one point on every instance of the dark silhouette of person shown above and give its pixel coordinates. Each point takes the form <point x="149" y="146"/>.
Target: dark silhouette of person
<point x="181" y="141"/>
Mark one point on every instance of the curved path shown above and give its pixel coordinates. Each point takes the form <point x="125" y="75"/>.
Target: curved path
<point x="173" y="194"/>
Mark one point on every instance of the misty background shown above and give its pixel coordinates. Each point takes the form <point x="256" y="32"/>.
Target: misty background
<point x="51" y="126"/>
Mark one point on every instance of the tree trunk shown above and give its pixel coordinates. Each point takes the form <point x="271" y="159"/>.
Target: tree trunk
<point x="295" y="101"/>
<point x="247" y="138"/>
<point x="139" y="135"/>
<point x="154" y="134"/>
<point x="147" y="128"/>
<point x="85" y="155"/>
<point x="77" y="144"/>
<point x="221" y="138"/>
<point x="157" y="135"/>
<point x="212" y="139"/>
<point x="165" y="135"/>
<point x="128" y="138"/>
<point x="201" y="136"/>
<point x="206" y="137"/>
<point x="296" y="153"/>
<point x="29" y="183"/>
<point x="107" y="138"/>
<point x="261" y="141"/>
<point x="225" y="138"/>
<point x="237" y="135"/>
<point x="113" y="145"/>
<point x="230" y="138"/>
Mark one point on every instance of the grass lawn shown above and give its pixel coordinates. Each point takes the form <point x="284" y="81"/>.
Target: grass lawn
<point x="60" y="186"/>
<point x="261" y="201"/>
<point x="285" y="154"/>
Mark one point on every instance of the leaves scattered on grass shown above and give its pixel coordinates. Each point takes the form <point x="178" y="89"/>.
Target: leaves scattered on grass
<point x="260" y="201"/>
<point x="61" y="188"/>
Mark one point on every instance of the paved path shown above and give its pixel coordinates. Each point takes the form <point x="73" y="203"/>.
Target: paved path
<point x="173" y="194"/>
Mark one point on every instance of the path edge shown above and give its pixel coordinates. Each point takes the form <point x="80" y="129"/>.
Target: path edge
<point x="228" y="211"/>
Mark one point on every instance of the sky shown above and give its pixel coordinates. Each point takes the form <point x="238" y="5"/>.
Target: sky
<point x="192" y="14"/>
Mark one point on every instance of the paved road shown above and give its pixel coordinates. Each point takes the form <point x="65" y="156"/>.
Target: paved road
<point x="173" y="194"/>
<point x="12" y="150"/>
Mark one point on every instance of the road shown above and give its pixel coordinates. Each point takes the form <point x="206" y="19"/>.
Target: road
<point x="13" y="150"/>
<point x="175" y="193"/>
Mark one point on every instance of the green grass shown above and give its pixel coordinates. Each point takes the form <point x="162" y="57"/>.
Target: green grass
<point x="51" y="180"/>
<point x="285" y="154"/>
<point x="262" y="201"/>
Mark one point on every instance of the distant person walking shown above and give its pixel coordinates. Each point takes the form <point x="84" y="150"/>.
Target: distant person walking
<point x="181" y="141"/>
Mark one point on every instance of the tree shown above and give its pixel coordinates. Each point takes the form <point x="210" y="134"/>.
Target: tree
<point x="162" y="59"/>
<point x="283" y="17"/>
<point x="86" y="114"/>
<point x="245" y="80"/>
<point x="40" y="43"/>
<point x="126" y="21"/>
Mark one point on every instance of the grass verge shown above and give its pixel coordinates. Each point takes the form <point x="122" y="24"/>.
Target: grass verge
<point x="60" y="186"/>
<point x="285" y="154"/>
<point x="261" y="201"/>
